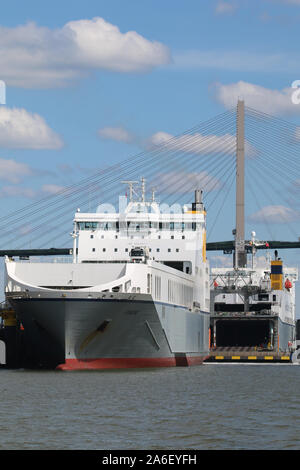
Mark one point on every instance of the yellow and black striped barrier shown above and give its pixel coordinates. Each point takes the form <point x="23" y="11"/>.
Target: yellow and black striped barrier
<point x="267" y="358"/>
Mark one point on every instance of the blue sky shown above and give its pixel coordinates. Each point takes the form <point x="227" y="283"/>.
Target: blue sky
<point x="82" y="94"/>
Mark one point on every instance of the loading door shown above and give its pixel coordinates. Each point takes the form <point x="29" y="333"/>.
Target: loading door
<point x="243" y="333"/>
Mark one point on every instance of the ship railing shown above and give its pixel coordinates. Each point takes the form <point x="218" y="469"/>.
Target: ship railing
<point x="60" y="259"/>
<point x="247" y="313"/>
<point x="235" y="281"/>
<point x="219" y="282"/>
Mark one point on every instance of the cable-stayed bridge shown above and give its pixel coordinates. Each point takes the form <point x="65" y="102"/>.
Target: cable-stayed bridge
<point x="242" y="159"/>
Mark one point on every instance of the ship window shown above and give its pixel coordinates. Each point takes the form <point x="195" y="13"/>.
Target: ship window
<point x="274" y="298"/>
<point x="183" y="237"/>
<point x="157" y="249"/>
<point x="263" y="297"/>
<point x="177" y="250"/>
<point x="91" y="225"/>
<point x="172" y="237"/>
<point x="116" y="249"/>
<point x="171" y="225"/>
<point x="107" y="226"/>
<point x="87" y="225"/>
<point x="92" y="236"/>
<point x="104" y="249"/>
<point x="137" y="226"/>
<point x="169" y="250"/>
<point x="93" y="249"/>
<point x="193" y="226"/>
<point x="126" y="250"/>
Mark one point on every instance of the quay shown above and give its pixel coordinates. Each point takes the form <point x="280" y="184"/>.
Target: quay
<point x="245" y="354"/>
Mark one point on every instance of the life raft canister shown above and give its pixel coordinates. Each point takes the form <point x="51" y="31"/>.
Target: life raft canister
<point x="288" y="284"/>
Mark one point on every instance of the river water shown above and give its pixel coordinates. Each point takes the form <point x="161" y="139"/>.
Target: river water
<point x="213" y="406"/>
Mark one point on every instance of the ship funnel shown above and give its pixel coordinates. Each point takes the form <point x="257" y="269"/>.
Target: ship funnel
<point x="198" y="204"/>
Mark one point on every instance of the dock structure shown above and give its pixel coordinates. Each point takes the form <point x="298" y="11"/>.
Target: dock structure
<point x="247" y="354"/>
<point x="248" y="322"/>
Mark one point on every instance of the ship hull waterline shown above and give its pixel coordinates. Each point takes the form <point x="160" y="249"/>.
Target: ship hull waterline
<point x="84" y="334"/>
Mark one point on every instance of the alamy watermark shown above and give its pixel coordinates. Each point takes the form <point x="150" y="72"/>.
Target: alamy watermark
<point x="295" y="97"/>
<point x="295" y="357"/>
<point x="142" y="221"/>
<point x="2" y="92"/>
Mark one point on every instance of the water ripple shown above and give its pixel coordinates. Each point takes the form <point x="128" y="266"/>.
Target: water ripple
<point x="208" y="407"/>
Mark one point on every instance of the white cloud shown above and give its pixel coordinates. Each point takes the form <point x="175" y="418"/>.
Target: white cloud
<point x="34" y="56"/>
<point x="274" y="102"/>
<point x="219" y="261"/>
<point x="17" y="191"/>
<point x="119" y="134"/>
<point x="183" y="182"/>
<point x="225" y="7"/>
<point x="196" y="143"/>
<point x="22" y="129"/>
<point x="52" y="188"/>
<point x="12" y="171"/>
<point x="200" y="144"/>
<point x="275" y="214"/>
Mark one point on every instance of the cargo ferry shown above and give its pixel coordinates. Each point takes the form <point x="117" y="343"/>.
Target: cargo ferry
<point x="135" y="294"/>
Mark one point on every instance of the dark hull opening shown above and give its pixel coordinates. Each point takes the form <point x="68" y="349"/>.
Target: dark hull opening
<point x="243" y="333"/>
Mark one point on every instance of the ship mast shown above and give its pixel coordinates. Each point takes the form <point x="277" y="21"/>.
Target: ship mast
<point x="131" y="190"/>
<point x="240" y="260"/>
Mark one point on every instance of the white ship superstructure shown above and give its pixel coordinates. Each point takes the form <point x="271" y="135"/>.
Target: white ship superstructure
<point x="136" y="293"/>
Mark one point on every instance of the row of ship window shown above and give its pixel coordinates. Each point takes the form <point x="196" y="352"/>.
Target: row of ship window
<point x="139" y="226"/>
<point x="159" y="237"/>
<point x="126" y="250"/>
